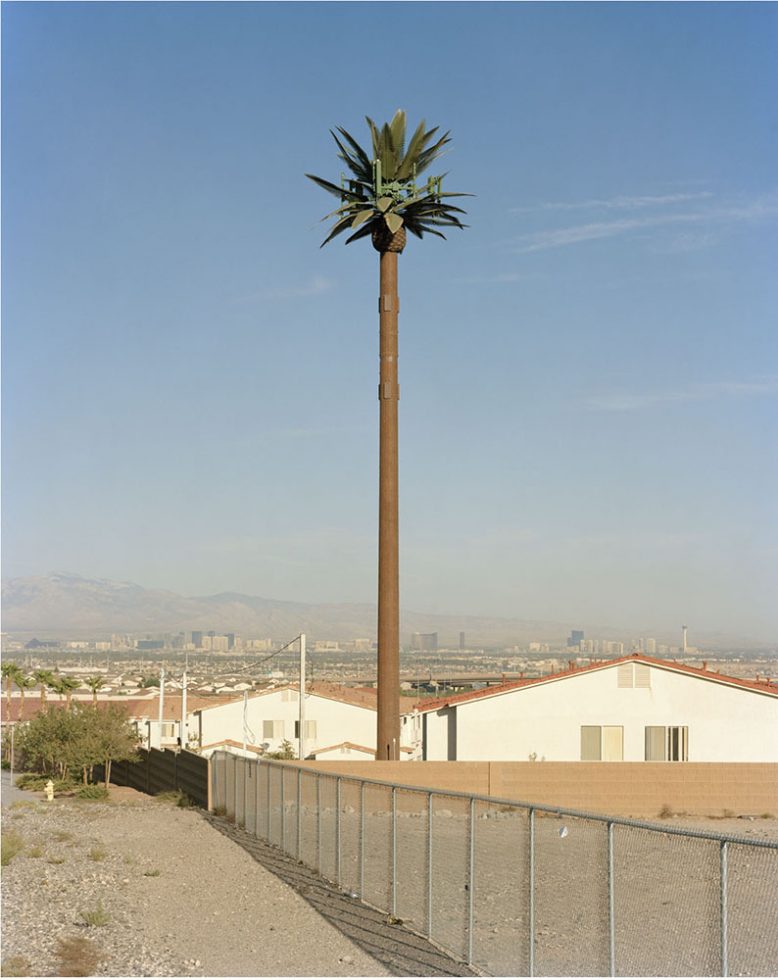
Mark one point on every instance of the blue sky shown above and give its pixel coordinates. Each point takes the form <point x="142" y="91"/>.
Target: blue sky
<point x="589" y="375"/>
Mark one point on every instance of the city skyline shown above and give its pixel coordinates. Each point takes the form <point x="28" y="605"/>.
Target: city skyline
<point x="588" y="414"/>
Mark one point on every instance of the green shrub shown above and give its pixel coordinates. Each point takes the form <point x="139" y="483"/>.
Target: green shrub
<point x="11" y="844"/>
<point x="92" y="792"/>
<point x="34" y="782"/>
<point x="98" y="854"/>
<point x="95" y="917"/>
<point x="176" y="797"/>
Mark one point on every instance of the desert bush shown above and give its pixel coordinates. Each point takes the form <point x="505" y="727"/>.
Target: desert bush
<point x="11" y="844"/>
<point x="98" y="854"/>
<point x="95" y="917"/>
<point x="36" y="782"/>
<point x="174" y="796"/>
<point x="92" y="791"/>
<point x="78" y="957"/>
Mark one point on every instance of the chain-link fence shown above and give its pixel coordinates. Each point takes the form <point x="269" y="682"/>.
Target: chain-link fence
<point x="516" y="889"/>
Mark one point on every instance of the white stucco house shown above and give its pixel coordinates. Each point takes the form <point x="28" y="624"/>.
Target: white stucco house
<point x="334" y="717"/>
<point x="631" y="709"/>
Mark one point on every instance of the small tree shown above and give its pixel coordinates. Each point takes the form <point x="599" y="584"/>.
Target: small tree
<point x="60" y="742"/>
<point x="285" y="752"/>
<point x="116" y="739"/>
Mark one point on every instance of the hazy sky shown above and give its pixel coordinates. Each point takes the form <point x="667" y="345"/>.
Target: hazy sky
<point x="589" y="375"/>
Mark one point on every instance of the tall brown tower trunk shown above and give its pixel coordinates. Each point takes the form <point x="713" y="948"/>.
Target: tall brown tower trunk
<point x="388" y="734"/>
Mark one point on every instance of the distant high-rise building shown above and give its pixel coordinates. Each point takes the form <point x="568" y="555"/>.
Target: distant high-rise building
<point x="461" y="642"/>
<point x="197" y="639"/>
<point x="427" y="642"/>
<point x="230" y="641"/>
<point x="576" y="638"/>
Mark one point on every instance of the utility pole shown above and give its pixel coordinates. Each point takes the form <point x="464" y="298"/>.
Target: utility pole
<point x="161" y="700"/>
<point x="301" y="721"/>
<point x="245" y="718"/>
<point x="183" y="711"/>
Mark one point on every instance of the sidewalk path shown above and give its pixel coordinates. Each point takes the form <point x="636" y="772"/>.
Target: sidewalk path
<point x="10" y="793"/>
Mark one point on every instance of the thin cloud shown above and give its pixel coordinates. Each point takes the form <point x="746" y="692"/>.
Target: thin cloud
<point x="619" y="203"/>
<point x="635" y="401"/>
<point x="759" y="209"/>
<point x="314" y="286"/>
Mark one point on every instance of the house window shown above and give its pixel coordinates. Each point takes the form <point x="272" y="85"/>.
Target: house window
<point x="272" y="729"/>
<point x="602" y="743"/>
<point x="667" y="743"/>
<point x="167" y="729"/>
<point x="310" y="729"/>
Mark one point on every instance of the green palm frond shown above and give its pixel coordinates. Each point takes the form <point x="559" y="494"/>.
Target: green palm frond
<point x="381" y="191"/>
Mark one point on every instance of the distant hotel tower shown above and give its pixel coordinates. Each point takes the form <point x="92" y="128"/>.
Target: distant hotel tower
<point x="427" y="642"/>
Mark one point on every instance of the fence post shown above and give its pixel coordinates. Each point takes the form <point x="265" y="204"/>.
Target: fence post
<point x="283" y="812"/>
<point x="429" y="865"/>
<point x="362" y="841"/>
<point x="269" y="804"/>
<point x="471" y="883"/>
<point x="246" y="771"/>
<point x="611" y="904"/>
<point x="394" y="851"/>
<point x="318" y="822"/>
<point x="531" y="892"/>
<point x="258" y="768"/>
<point x="337" y="830"/>
<point x="267" y="799"/>
<point x="723" y="883"/>
<point x="299" y="809"/>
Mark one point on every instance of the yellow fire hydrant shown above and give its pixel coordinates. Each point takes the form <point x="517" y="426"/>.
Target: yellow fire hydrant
<point x="49" y="791"/>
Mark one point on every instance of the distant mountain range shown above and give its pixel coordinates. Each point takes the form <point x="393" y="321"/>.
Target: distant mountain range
<point x="68" y="606"/>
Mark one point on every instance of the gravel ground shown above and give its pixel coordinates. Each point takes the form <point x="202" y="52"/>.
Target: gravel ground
<point x="181" y="899"/>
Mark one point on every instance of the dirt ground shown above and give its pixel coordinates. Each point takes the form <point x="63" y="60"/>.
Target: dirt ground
<point x="177" y="897"/>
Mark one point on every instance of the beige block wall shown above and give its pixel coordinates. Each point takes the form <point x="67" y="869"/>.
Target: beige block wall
<point x="636" y="789"/>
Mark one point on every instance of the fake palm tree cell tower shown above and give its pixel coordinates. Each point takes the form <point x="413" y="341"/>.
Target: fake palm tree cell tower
<point x="383" y="198"/>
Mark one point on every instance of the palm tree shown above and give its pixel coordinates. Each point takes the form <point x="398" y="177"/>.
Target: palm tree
<point x="94" y="684"/>
<point x="24" y="683"/>
<point x="65" y="686"/>
<point x="382" y="199"/>
<point x="46" y="679"/>
<point x="11" y="673"/>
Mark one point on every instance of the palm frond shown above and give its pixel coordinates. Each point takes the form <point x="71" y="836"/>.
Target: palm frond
<point x="363" y="158"/>
<point x="362" y="233"/>
<point x="333" y="188"/>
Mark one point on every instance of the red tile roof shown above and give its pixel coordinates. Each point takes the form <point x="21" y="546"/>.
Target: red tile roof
<point x="761" y="687"/>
